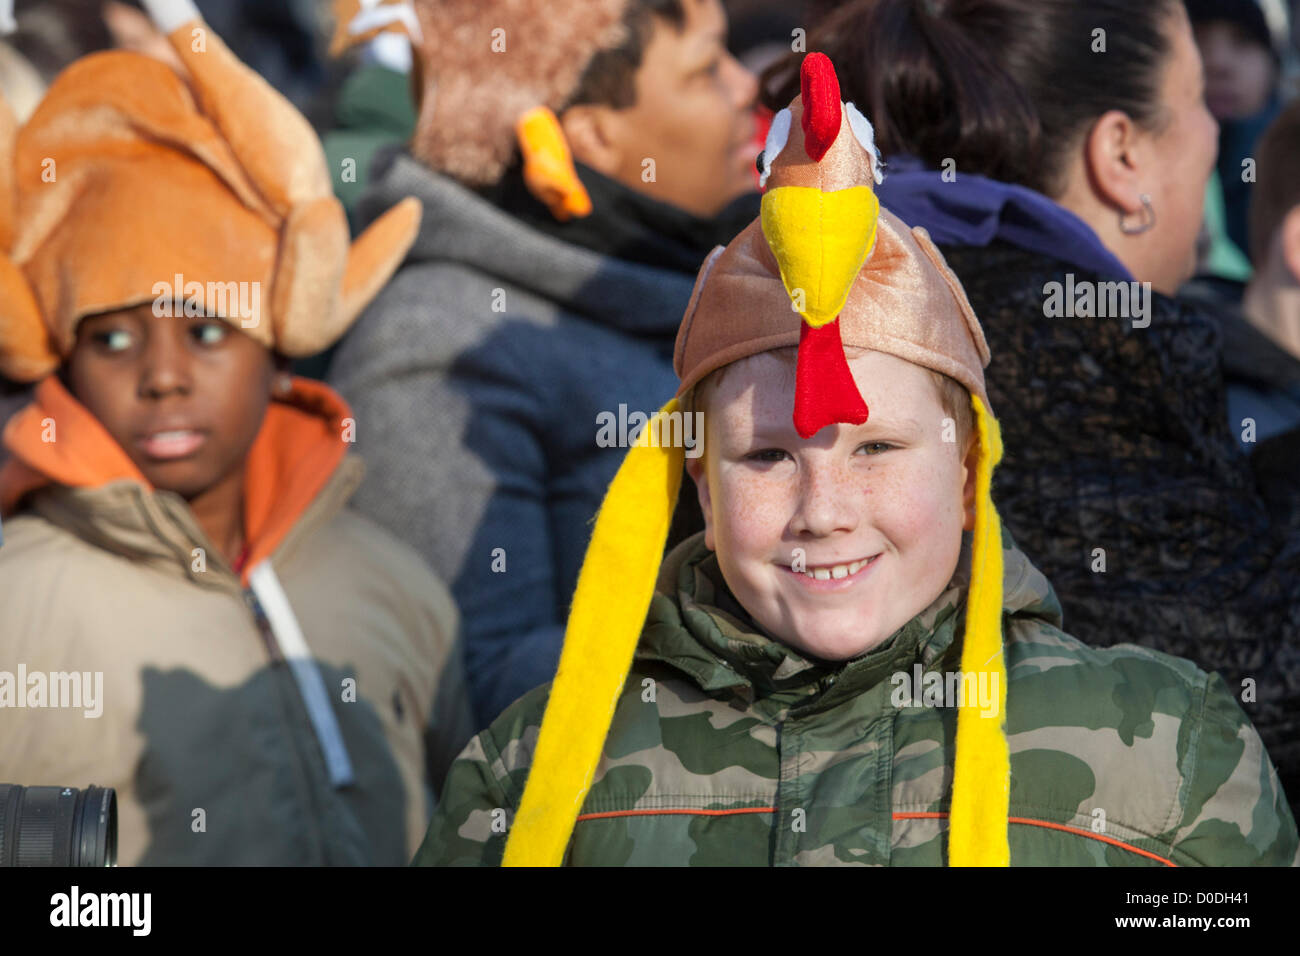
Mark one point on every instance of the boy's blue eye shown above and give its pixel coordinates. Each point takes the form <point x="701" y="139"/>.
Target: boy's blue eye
<point x="209" y="333"/>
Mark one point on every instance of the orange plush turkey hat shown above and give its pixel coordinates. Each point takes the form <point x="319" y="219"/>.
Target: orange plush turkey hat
<point x="131" y="182"/>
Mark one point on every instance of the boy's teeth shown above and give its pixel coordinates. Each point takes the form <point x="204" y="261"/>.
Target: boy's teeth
<point x="837" y="571"/>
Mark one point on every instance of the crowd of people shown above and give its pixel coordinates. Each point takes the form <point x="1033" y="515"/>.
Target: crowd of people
<point x="310" y="316"/>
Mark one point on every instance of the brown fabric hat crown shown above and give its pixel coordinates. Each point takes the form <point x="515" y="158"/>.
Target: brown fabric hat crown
<point x="905" y="301"/>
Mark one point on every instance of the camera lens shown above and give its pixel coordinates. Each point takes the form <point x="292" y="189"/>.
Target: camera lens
<point x="57" y="826"/>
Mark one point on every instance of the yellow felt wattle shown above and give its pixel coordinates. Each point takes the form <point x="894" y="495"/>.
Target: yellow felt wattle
<point x="981" y="789"/>
<point x="821" y="241"/>
<point x="610" y="603"/>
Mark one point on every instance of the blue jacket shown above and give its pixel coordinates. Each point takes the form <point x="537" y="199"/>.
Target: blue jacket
<point x="477" y="377"/>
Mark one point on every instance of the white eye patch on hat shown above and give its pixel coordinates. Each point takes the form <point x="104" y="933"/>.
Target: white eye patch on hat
<point x="779" y="134"/>
<point x="865" y="134"/>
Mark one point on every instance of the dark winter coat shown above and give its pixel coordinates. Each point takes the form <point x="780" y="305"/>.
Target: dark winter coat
<point x="1122" y="482"/>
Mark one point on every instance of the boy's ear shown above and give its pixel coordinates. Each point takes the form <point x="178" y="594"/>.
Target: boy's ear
<point x="699" y="474"/>
<point x="969" y="471"/>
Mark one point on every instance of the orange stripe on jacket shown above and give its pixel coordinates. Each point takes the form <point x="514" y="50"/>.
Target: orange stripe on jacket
<point x="920" y="815"/>
<point x="1029" y="821"/>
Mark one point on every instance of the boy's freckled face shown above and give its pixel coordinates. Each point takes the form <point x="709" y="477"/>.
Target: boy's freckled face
<point x="891" y="492"/>
<point x="183" y="396"/>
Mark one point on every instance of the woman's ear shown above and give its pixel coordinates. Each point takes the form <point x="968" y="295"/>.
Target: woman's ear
<point x="1112" y="155"/>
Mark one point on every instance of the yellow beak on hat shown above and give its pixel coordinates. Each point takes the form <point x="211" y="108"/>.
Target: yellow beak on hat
<point x="820" y="243"/>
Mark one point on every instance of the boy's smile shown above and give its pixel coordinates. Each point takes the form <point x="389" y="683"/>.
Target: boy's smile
<point x="832" y="543"/>
<point x="836" y="576"/>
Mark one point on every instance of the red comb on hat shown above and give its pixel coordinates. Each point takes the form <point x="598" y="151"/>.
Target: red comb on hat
<point x="820" y="91"/>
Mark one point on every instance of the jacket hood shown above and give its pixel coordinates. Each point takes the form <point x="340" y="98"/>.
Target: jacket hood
<point x="294" y="456"/>
<point x="696" y="625"/>
<point x="459" y="226"/>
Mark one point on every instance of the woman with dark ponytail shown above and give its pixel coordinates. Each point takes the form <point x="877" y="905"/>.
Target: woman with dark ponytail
<point x="1058" y="152"/>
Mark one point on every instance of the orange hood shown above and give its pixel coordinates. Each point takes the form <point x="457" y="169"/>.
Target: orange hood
<point x="292" y="458"/>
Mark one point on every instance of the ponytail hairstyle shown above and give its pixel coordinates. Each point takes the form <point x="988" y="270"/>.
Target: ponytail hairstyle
<point x="1005" y="88"/>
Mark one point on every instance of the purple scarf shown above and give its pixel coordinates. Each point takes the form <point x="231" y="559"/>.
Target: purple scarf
<point x="974" y="210"/>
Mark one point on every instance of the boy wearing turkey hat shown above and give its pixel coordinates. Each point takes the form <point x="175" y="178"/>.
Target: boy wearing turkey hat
<point x="256" y="668"/>
<point x="852" y="664"/>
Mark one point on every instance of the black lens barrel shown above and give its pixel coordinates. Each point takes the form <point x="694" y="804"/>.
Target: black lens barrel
<point x="57" y="826"/>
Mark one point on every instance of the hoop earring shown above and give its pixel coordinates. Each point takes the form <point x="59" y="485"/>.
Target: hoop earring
<point x="1148" y="214"/>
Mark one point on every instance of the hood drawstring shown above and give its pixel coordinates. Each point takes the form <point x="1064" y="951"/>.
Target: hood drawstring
<point x="284" y="627"/>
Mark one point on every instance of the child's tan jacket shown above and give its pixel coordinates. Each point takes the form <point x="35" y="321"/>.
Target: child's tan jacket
<point x="185" y="703"/>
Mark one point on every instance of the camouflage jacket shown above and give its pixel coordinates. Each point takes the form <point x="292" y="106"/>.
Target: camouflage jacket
<point x="730" y="748"/>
